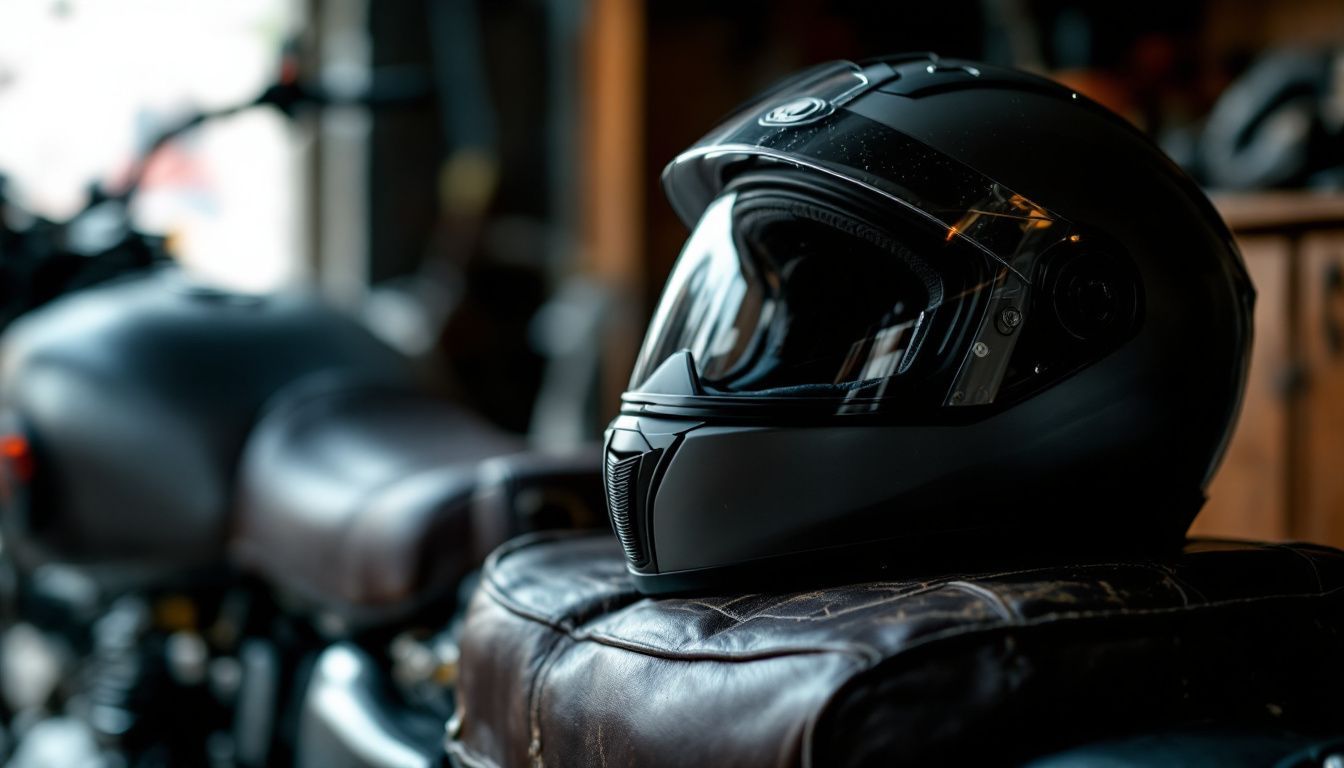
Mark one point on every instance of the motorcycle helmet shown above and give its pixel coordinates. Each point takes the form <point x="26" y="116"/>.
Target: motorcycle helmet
<point x="1281" y="124"/>
<point x="926" y="305"/>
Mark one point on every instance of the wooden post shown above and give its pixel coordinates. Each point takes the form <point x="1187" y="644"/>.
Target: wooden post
<point x="612" y="209"/>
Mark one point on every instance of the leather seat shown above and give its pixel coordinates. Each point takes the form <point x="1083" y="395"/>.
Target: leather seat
<point x="356" y="498"/>
<point x="564" y="663"/>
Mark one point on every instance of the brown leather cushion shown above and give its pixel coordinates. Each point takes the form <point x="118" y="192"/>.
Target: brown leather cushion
<point x="563" y="663"/>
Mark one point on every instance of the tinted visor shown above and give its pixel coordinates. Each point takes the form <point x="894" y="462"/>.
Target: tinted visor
<point x="775" y="296"/>
<point x="923" y="300"/>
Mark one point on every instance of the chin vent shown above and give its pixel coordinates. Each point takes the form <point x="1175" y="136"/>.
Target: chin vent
<point x="621" y="478"/>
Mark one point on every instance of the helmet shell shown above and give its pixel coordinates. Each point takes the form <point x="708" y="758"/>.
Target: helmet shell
<point x="1120" y="449"/>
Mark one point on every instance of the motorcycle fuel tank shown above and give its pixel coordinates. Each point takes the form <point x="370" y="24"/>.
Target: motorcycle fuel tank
<point x="132" y="401"/>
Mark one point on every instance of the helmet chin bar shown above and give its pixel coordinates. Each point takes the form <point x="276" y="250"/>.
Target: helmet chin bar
<point x="702" y="505"/>
<point x="636" y="455"/>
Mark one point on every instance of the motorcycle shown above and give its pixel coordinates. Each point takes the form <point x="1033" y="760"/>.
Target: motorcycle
<point x="233" y="527"/>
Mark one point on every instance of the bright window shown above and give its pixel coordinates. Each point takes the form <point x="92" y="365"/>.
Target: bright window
<point x="85" y="84"/>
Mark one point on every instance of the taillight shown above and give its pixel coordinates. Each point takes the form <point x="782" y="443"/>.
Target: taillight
<point x="17" y="454"/>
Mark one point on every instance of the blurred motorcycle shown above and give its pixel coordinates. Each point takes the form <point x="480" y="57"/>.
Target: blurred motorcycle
<point x="233" y="527"/>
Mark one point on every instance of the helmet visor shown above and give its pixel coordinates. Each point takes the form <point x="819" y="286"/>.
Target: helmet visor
<point x="778" y="299"/>
<point x="810" y="305"/>
<point x="773" y="302"/>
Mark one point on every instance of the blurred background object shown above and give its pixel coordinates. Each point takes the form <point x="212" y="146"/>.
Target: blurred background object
<point x="478" y="182"/>
<point x="83" y="86"/>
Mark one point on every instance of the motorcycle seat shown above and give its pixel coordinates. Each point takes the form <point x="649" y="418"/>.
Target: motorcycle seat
<point x="564" y="662"/>
<point x="355" y="498"/>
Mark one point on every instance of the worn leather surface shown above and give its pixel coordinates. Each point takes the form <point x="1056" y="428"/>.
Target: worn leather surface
<point x="357" y="497"/>
<point x="563" y="663"/>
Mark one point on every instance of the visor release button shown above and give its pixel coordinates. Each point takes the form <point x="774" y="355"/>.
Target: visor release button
<point x="1009" y="319"/>
<point x="980" y="349"/>
<point x="797" y="112"/>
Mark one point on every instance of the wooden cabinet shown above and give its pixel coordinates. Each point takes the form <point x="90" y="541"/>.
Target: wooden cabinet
<point x="1318" y="490"/>
<point x="1249" y="495"/>
<point x="1283" y="475"/>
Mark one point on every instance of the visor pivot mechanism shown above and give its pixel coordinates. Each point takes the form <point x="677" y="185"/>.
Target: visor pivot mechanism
<point x="1009" y="319"/>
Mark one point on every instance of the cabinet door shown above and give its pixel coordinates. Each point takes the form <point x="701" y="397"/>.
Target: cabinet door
<point x="1318" y="453"/>
<point x="1249" y="495"/>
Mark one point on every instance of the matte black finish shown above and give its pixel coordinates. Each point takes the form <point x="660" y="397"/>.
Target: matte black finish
<point x="137" y="396"/>
<point x="1136" y="431"/>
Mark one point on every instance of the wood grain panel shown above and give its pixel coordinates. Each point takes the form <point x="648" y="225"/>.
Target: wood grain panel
<point x="613" y="209"/>
<point x="1249" y="496"/>
<point x="1319" y="472"/>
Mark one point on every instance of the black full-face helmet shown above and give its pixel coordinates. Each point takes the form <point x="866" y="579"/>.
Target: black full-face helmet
<point x="925" y="305"/>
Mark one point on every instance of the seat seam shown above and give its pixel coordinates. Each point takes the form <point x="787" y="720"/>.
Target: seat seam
<point x="867" y="651"/>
